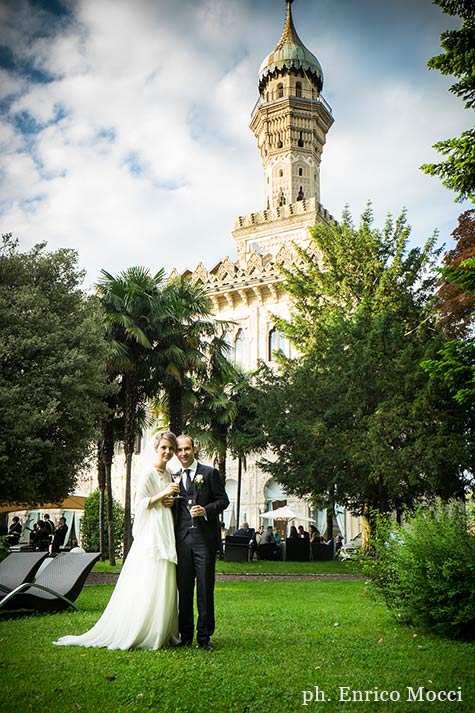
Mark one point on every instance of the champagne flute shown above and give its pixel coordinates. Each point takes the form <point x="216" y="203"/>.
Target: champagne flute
<point x="191" y="502"/>
<point x="177" y="479"/>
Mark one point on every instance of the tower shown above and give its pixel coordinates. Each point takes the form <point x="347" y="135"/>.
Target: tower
<point x="290" y="122"/>
<point x="290" y="119"/>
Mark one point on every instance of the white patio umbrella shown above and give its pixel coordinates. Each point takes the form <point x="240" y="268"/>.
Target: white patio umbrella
<point x="285" y="513"/>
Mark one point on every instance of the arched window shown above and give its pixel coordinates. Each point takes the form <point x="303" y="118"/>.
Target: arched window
<point x="280" y="90"/>
<point x="298" y="89"/>
<point x="230" y="351"/>
<point x="300" y="195"/>
<point x="279" y="141"/>
<point x="300" y="141"/>
<point x="300" y="171"/>
<point x="277" y="342"/>
<point x="281" y="173"/>
<point x="282" y="199"/>
<point x="239" y="344"/>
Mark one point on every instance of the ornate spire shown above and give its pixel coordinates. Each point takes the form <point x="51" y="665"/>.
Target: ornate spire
<point x="289" y="33"/>
<point x="290" y="52"/>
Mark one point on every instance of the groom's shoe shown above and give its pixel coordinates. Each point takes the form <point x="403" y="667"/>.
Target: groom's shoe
<point x="207" y="646"/>
<point x="185" y="643"/>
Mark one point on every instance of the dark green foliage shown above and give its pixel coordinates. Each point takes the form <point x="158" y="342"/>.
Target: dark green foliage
<point x="458" y="60"/>
<point x="426" y="570"/>
<point x="90" y="525"/>
<point x="356" y="418"/>
<point x="52" y="377"/>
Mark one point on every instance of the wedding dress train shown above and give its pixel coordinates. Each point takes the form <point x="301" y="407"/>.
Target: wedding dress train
<point x="142" y="611"/>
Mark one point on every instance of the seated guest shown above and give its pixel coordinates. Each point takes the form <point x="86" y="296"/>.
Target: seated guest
<point x="338" y="543"/>
<point x="268" y="538"/>
<point x="14" y="531"/>
<point x="255" y="540"/>
<point x="244" y="531"/>
<point x="41" y="537"/>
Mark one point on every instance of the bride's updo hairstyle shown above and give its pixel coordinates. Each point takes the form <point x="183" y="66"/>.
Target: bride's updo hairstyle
<point x="166" y="436"/>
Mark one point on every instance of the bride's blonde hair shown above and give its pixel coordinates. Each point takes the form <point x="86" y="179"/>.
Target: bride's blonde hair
<point x="165" y="436"/>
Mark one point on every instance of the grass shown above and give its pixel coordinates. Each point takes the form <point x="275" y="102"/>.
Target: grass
<point x="264" y="567"/>
<point x="274" y="640"/>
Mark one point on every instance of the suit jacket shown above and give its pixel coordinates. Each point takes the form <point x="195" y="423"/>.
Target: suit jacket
<point x="208" y="491"/>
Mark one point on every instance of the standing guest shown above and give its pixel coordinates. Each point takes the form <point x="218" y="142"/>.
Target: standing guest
<point x="49" y="523"/>
<point x="314" y="534"/>
<point x="293" y="534"/>
<point x="59" y="535"/>
<point x="14" y="531"/>
<point x="203" y="498"/>
<point x="303" y="534"/>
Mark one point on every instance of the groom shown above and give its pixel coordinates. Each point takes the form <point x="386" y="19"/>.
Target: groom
<point x="197" y="546"/>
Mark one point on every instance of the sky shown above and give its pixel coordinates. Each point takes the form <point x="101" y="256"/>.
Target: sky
<point x="124" y="125"/>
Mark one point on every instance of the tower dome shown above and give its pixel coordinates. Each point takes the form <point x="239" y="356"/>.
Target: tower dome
<point x="290" y="53"/>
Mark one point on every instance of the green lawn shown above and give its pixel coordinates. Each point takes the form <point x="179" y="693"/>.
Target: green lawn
<point x="264" y="567"/>
<point x="274" y="640"/>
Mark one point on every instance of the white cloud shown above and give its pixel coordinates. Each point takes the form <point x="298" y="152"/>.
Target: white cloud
<point x="143" y="153"/>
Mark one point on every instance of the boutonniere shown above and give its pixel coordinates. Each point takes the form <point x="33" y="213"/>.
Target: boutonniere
<point x="199" y="481"/>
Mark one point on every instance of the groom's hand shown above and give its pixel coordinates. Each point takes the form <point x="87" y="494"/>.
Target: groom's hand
<point x="198" y="511"/>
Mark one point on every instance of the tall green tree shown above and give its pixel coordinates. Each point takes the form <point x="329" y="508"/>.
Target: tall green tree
<point x="131" y="303"/>
<point x="457" y="171"/>
<point x="52" y="377"/>
<point x="356" y="418"/>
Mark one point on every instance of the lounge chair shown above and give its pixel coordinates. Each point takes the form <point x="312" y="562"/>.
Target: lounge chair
<point x="19" y="567"/>
<point x="56" y="587"/>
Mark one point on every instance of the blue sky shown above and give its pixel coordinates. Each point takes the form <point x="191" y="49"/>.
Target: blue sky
<point x="124" y="125"/>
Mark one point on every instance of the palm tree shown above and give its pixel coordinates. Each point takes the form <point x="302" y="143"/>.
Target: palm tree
<point x="189" y="336"/>
<point x="131" y="304"/>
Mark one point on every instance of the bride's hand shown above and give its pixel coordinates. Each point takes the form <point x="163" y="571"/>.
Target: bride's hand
<point x="172" y="489"/>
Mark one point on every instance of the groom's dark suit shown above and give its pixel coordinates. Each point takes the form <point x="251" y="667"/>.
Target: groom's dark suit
<point x="196" y="549"/>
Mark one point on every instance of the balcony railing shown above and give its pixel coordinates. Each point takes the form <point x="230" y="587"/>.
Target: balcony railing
<point x="305" y="95"/>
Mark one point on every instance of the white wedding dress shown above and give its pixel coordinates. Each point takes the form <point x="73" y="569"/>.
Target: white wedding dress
<point x="142" y="611"/>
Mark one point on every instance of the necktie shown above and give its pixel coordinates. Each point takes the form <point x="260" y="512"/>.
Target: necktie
<point x="187" y="480"/>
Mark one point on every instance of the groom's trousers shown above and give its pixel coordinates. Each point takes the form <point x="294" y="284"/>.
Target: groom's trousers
<point x="195" y="562"/>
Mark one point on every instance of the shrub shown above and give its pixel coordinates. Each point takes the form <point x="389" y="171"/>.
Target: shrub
<point x="426" y="570"/>
<point x="90" y="524"/>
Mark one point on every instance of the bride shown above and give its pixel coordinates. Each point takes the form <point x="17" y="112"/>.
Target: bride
<point x="142" y="611"/>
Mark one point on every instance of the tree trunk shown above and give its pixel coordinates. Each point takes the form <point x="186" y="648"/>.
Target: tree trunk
<point x="238" y="496"/>
<point x="329" y="529"/>
<point x="129" y="443"/>
<point x="128" y="502"/>
<point x="175" y="407"/>
<point x="107" y="454"/>
<point x="366" y="530"/>
<point x="102" y="484"/>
